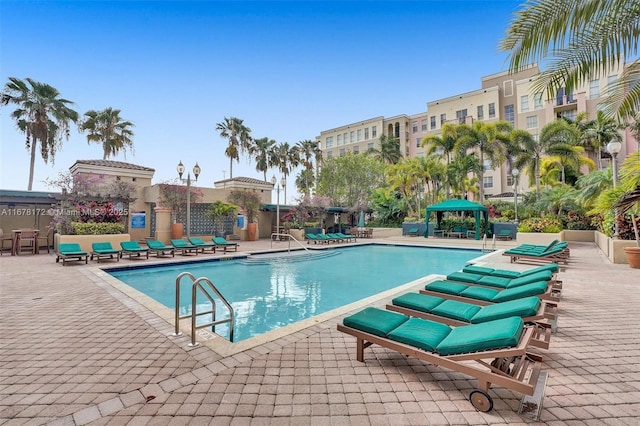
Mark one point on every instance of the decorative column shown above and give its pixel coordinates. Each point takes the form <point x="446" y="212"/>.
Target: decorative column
<point x="163" y="224"/>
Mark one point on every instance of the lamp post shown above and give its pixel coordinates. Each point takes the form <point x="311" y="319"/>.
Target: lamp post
<point x="613" y="148"/>
<point x="515" y="173"/>
<point x="196" y="173"/>
<point x="282" y="182"/>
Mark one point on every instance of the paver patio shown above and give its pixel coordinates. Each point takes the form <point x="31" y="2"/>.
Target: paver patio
<point x="75" y="350"/>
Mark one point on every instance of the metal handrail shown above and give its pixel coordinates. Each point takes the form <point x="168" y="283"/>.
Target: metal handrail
<point x="197" y="284"/>
<point x="289" y="238"/>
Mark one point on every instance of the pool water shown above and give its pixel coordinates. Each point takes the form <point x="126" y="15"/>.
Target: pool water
<point x="269" y="295"/>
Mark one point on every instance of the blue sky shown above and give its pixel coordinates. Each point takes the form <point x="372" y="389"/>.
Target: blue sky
<point x="289" y="69"/>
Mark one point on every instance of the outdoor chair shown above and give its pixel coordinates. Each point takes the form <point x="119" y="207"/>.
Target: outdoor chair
<point x="226" y="245"/>
<point x="132" y="248"/>
<point x="184" y="247"/>
<point x="504" y="234"/>
<point x="554" y="255"/>
<point x="504" y="283"/>
<point x="315" y="239"/>
<point x="506" y="273"/>
<point x="502" y="344"/>
<point x="455" y="313"/>
<point x="347" y="237"/>
<point x="327" y="238"/>
<point x="104" y="250"/>
<point x="160" y="249"/>
<point x="69" y="252"/>
<point x="485" y="295"/>
<point x="413" y="232"/>
<point x="3" y="239"/>
<point x="199" y="242"/>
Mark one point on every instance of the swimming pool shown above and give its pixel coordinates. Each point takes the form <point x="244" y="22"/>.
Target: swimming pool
<point x="272" y="294"/>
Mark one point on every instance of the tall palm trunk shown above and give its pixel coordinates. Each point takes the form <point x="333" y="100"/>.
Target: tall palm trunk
<point x="537" y="179"/>
<point x="231" y="168"/>
<point x="32" y="163"/>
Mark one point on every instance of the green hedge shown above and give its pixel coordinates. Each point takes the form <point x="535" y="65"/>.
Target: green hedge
<point x="91" y="228"/>
<point x="537" y="224"/>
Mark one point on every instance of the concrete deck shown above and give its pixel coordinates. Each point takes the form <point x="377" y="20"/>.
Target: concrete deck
<point x="76" y="350"/>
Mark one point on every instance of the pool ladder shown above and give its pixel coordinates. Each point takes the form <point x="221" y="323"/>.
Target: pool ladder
<point x="199" y="284"/>
<point x="485" y="248"/>
<point x="289" y="237"/>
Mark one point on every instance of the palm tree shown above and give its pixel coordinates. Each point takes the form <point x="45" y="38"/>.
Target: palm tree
<point x="389" y="151"/>
<point x="261" y="151"/>
<point x="109" y="129"/>
<point x="599" y="132"/>
<point x="41" y="114"/>
<point x="490" y="140"/>
<point x="239" y="137"/>
<point x="556" y="138"/>
<point x="286" y="158"/>
<point x="456" y="173"/>
<point x="577" y="40"/>
<point x="444" y="144"/>
<point x="307" y="149"/>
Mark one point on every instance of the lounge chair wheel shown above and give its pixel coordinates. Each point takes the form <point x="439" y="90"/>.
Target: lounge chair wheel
<point x="481" y="401"/>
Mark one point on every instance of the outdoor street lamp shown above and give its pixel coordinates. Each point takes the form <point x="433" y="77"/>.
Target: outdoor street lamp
<point x="282" y="182"/>
<point x="515" y="173"/>
<point x="196" y="173"/>
<point x="613" y="148"/>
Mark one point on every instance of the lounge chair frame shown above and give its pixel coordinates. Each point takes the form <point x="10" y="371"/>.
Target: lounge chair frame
<point x="72" y="257"/>
<point x="226" y="245"/>
<point x="138" y="252"/>
<point x="105" y="254"/>
<point x="550" y="296"/>
<point x="513" y="368"/>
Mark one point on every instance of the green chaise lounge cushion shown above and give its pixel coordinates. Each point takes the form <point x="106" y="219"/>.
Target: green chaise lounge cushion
<point x="446" y="287"/>
<point x="533" y="289"/>
<point x="70" y="249"/>
<point x="480" y="270"/>
<point x="515" y="282"/>
<point x="103" y="248"/>
<point x="417" y="301"/>
<point x="133" y="246"/>
<point x="182" y="244"/>
<point x="464" y="277"/>
<point x="453" y="309"/>
<point x="480" y="293"/>
<point x="526" y="307"/>
<point x="197" y="241"/>
<point x="421" y="333"/>
<point x="481" y="337"/>
<point x="222" y="242"/>
<point x="158" y="245"/>
<point x="375" y="321"/>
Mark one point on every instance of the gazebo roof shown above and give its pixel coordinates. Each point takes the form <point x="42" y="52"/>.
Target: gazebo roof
<point x="456" y="206"/>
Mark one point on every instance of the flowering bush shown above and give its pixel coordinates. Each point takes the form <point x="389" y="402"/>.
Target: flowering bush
<point x="536" y="224"/>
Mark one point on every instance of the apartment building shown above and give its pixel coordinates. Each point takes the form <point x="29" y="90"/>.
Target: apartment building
<point x="502" y="96"/>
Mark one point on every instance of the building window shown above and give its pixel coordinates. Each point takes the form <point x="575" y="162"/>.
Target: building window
<point x="433" y="122"/>
<point x="461" y="116"/>
<point x="524" y="103"/>
<point x="344" y="139"/>
<point x="611" y="82"/>
<point x="352" y="136"/>
<point x="443" y="119"/>
<point x="423" y="124"/>
<point x="487" y="182"/>
<point x="414" y="127"/>
<point x="359" y="135"/>
<point x="509" y="114"/>
<point x="342" y="152"/>
<point x="374" y="132"/>
<point x="370" y="145"/>
<point x="356" y="149"/>
<point x="339" y="140"/>
<point x="510" y="180"/>
<point x="537" y="101"/>
<point x="594" y="89"/>
<point x="418" y="142"/>
<point x="329" y="141"/>
<point x="480" y="112"/>
<point x="329" y="154"/>
<point x="366" y="133"/>
<point x="486" y="165"/>
<point x="532" y="122"/>
<point x="492" y="110"/>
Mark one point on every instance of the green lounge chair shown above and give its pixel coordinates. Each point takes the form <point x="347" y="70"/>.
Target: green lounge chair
<point x="506" y="273"/>
<point x="336" y="237"/>
<point x="500" y="282"/>
<point x="504" y="234"/>
<point x="184" y="247"/>
<point x="347" y="237"/>
<point x="104" y="250"/>
<point x="132" y="248"/>
<point x="226" y="245"/>
<point x="199" y="242"/>
<point x="554" y="255"/>
<point x="160" y="249"/>
<point x="413" y="232"/>
<point x="456" y="313"/>
<point x="315" y="239"/>
<point x="69" y="252"/>
<point x="486" y="296"/>
<point x="503" y="344"/>
<point x="327" y="238"/>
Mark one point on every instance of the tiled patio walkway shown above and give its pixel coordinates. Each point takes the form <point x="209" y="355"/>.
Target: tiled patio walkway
<point x="74" y="350"/>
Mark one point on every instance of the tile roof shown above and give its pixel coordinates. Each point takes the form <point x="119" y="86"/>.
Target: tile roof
<point x="115" y="164"/>
<point x="245" y="180"/>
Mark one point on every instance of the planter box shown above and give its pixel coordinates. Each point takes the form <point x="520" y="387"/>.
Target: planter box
<point x="298" y="234"/>
<point x="539" y="238"/>
<point x="583" y="236"/>
<point x="85" y="241"/>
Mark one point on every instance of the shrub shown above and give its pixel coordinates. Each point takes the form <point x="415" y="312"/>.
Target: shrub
<point x="546" y="224"/>
<point x="94" y="228"/>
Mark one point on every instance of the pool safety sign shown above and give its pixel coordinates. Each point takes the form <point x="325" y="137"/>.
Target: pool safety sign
<point x="138" y="220"/>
